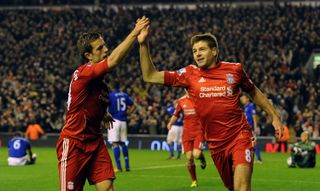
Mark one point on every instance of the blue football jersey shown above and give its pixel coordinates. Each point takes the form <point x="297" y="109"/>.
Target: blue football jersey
<point x="250" y="110"/>
<point x="179" y="121"/>
<point x="170" y="109"/>
<point x="18" y="147"/>
<point x="118" y="103"/>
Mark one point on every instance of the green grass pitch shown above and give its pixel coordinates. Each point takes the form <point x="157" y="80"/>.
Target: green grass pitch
<point x="150" y="171"/>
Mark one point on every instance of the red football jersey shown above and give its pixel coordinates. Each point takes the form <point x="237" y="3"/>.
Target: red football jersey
<point x="87" y="102"/>
<point x="191" y="122"/>
<point x="215" y="93"/>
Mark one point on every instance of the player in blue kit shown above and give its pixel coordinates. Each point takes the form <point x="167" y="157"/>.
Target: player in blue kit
<point x="18" y="148"/>
<point x="119" y="106"/>
<point x="250" y="112"/>
<point x="174" y="133"/>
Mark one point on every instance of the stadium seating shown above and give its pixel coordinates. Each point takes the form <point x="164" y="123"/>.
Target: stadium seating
<point x="38" y="54"/>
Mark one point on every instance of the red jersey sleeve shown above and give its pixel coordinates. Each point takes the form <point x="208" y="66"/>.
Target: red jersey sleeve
<point x="177" y="110"/>
<point x="246" y="84"/>
<point x="95" y="70"/>
<point x="178" y="77"/>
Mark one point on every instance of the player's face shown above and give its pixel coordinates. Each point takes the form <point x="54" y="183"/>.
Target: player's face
<point x="304" y="137"/>
<point x="99" y="51"/>
<point x="203" y="55"/>
<point x="244" y="100"/>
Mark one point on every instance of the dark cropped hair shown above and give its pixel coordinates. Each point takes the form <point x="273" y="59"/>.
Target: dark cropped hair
<point x="18" y="134"/>
<point x="209" y="38"/>
<point x="84" y="45"/>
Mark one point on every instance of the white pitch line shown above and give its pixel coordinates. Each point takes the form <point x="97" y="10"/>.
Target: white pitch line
<point x="181" y="165"/>
<point x="253" y="180"/>
<point x="159" y="167"/>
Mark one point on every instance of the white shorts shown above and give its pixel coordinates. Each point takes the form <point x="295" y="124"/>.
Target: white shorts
<point x="12" y="161"/>
<point x="175" y="134"/>
<point x="119" y="132"/>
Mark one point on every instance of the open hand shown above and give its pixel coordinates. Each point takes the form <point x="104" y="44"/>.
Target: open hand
<point x="278" y="127"/>
<point x="141" y="23"/>
<point x="142" y="37"/>
<point x="107" y="121"/>
<point x="169" y="126"/>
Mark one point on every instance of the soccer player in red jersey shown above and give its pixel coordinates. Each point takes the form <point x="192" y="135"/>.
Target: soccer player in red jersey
<point x="81" y="151"/>
<point x="192" y="136"/>
<point x="214" y="86"/>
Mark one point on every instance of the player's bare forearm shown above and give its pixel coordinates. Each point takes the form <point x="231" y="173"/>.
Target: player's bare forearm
<point x="261" y="100"/>
<point x="254" y="117"/>
<point x="131" y="108"/>
<point x="173" y="119"/>
<point x="149" y="72"/>
<point x="121" y="51"/>
<point x="30" y="153"/>
<point x="123" y="48"/>
<point x="255" y="125"/>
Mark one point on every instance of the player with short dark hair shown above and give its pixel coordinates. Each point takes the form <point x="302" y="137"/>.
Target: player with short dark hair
<point x="18" y="148"/>
<point x="250" y="112"/>
<point x="175" y="130"/>
<point x="192" y="136"/>
<point x="214" y="86"/>
<point x="120" y="104"/>
<point x="81" y="150"/>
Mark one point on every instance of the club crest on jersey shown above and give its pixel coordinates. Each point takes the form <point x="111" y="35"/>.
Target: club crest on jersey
<point x="181" y="71"/>
<point x="230" y="79"/>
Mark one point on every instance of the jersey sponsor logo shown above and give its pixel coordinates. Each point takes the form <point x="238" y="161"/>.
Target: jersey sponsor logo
<point x="230" y="79"/>
<point x="215" y="91"/>
<point x="213" y="88"/>
<point x="181" y="71"/>
<point x="229" y="91"/>
<point x="189" y="111"/>
<point x="202" y="80"/>
<point x="212" y="94"/>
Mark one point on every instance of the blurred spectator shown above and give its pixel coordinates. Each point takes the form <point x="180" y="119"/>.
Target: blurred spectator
<point x="283" y="141"/>
<point x="34" y="131"/>
<point x="37" y="48"/>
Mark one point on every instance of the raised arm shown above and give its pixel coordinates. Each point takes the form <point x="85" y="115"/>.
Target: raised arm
<point x="149" y="72"/>
<point x="261" y="100"/>
<point x="124" y="47"/>
<point x="255" y="124"/>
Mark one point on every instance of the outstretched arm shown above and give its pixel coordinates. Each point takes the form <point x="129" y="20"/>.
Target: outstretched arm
<point x="124" y="47"/>
<point x="149" y="72"/>
<point x="261" y="100"/>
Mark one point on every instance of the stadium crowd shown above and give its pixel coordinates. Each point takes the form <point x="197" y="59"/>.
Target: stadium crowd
<point x="273" y="42"/>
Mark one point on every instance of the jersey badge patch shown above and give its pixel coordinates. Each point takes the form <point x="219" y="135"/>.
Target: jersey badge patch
<point x="181" y="71"/>
<point x="230" y="79"/>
